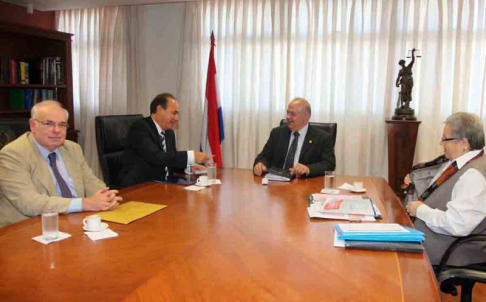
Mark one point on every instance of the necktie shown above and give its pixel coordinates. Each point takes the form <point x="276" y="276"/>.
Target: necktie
<point x="65" y="192"/>
<point x="289" y="161"/>
<point x="164" y="147"/>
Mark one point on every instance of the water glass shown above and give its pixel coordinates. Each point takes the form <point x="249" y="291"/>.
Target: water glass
<point x="211" y="171"/>
<point x="50" y="225"/>
<point x="329" y="180"/>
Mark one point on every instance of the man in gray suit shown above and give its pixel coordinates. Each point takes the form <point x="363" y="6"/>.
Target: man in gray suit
<point x="41" y="170"/>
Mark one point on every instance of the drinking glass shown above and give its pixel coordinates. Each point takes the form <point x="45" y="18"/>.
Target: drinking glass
<point x="211" y="171"/>
<point x="50" y="225"/>
<point x="329" y="180"/>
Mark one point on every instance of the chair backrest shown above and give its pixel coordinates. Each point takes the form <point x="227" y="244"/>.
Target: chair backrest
<point x="111" y="133"/>
<point x="330" y="128"/>
<point x="11" y="128"/>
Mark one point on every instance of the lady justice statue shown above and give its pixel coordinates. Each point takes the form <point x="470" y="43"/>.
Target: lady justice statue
<point x="405" y="81"/>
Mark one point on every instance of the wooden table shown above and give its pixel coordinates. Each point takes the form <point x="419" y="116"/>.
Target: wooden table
<point x="239" y="241"/>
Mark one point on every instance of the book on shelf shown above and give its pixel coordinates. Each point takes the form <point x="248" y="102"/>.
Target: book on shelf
<point x="44" y="71"/>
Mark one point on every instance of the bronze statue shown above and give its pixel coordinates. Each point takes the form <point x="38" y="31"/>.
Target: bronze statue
<point x="405" y="81"/>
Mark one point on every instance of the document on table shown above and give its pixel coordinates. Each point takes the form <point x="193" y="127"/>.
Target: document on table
<point x="130" y="211"/>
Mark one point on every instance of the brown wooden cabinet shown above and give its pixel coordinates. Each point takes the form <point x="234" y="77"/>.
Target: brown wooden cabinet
<point x="38" y="48"/>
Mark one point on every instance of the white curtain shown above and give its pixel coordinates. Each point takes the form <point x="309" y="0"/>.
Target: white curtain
<point x="105" y="67"/>
<point x="343" y="57"/>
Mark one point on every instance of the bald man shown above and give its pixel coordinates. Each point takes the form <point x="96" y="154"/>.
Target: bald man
<point x="41" y="170"/>
<point x="298" y="147"/>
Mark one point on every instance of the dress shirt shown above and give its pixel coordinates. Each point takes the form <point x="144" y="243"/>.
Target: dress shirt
<point x="467" y="208"/>
<point x="190" y="153"/>
<point x="76" y="204"/>
<point x="302" y="134"/>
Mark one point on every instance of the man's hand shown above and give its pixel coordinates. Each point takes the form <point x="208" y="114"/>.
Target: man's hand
<point x="300" y="170"/>
<point x="103" y="200"/>
<point x="197" y="167"/>
<point x="412" y="207"/>
<point x="201" y="157"/>
<point x="407" y="180"/>
<point x="259" y="168"/>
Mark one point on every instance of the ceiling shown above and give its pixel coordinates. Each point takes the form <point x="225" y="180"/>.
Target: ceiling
<point x="50" y="5"/>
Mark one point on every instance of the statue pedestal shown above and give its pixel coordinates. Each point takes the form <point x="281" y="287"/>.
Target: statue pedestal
<point x="402" y="137"/>
<point x="404" y="114"/>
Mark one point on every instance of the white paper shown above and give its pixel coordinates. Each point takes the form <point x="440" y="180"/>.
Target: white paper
<point x="61" y="236"/>
<point x="372" y="227"/>
<point x="346" y="186"/>
<point x="330" y="191"/>
<point x="101" y="235"/>
<point x="275" y="177"/>
<point x="214" y="181"/>
<point x="194" y="188"/>
<point x="338" y="242"/>
<point x="336" y="216"/>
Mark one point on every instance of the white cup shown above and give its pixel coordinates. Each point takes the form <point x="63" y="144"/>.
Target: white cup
<point x="202" y="181"/>
<point x="358" y="185"/>
<point x="92" y="222"/>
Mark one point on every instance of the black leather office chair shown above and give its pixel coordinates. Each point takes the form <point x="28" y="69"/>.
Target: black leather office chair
<point x="330" y="128"/>
<point x="111" y="133"/>
<point x="466" y="276"/>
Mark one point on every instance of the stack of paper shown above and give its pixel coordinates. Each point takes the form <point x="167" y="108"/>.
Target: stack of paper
<point x="344" y="207"/>
<point x="379" y="236"/>
<point x="276" y="174"/>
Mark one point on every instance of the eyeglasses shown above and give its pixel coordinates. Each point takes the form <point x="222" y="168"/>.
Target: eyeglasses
<point x="446" y="139"/>
<point x="51" y="125"/>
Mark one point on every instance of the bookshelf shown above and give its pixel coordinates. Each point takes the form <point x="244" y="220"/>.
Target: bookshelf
<point x="45" y="71"/>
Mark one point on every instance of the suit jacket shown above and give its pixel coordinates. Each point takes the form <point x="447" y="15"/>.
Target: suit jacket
<point x="317" y="151"/>
<point x="26" y="185"/>
<point x="144" y="158"/>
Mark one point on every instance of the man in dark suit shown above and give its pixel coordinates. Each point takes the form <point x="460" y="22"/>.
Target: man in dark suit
<point x="151" y="152"/>
<point x="297" y="147"/>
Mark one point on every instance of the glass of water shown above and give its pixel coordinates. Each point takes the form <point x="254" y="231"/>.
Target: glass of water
<point x="211" y="167"/>
<point x="50" y="225"/>
<point x="329" y="180"/>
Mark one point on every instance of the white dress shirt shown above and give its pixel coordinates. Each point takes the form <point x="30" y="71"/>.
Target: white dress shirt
<point x="190" y="153"/>
<point x="302" y="134"/>
<point x="467" y="207"/>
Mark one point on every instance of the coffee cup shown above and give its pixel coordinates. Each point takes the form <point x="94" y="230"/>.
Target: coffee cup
<point x="202" y="181"/>
<point x="358" y="186"/>
<point x="92" y="222"/>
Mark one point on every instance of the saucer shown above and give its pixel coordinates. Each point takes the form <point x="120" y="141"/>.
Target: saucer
<point x="102" y="227"/>
<point x="358" y="191"/>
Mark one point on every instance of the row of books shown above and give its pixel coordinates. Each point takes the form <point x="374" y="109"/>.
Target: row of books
<point x="20" y="99"/>
<point x="46" y="71"/>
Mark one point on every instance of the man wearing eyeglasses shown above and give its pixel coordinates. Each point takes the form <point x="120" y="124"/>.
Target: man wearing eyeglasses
<point x="41" y="171"/>
<point x="450" y="192"/>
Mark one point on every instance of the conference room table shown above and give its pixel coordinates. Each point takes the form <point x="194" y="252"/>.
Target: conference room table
<point x="238" y="241"/>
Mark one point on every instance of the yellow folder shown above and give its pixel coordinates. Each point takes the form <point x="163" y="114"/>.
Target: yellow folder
<point x="130" y="211"/>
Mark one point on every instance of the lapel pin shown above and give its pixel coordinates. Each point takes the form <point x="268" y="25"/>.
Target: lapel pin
<point x="310" y="141"/>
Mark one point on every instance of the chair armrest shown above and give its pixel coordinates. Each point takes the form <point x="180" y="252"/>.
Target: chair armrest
<point x="462" y="273"/>
<point x="454" y="246"/>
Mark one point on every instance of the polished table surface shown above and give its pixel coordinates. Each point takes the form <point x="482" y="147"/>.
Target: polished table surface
<point x="239" y="241"/>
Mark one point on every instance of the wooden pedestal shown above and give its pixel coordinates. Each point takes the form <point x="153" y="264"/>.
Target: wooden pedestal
<point x="402" y="137"/>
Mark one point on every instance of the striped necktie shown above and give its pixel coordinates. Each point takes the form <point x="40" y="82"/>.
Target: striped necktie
<point x="164" y="147"/>
<point x="289" y="161"/>
<point x="65" y="192"/>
